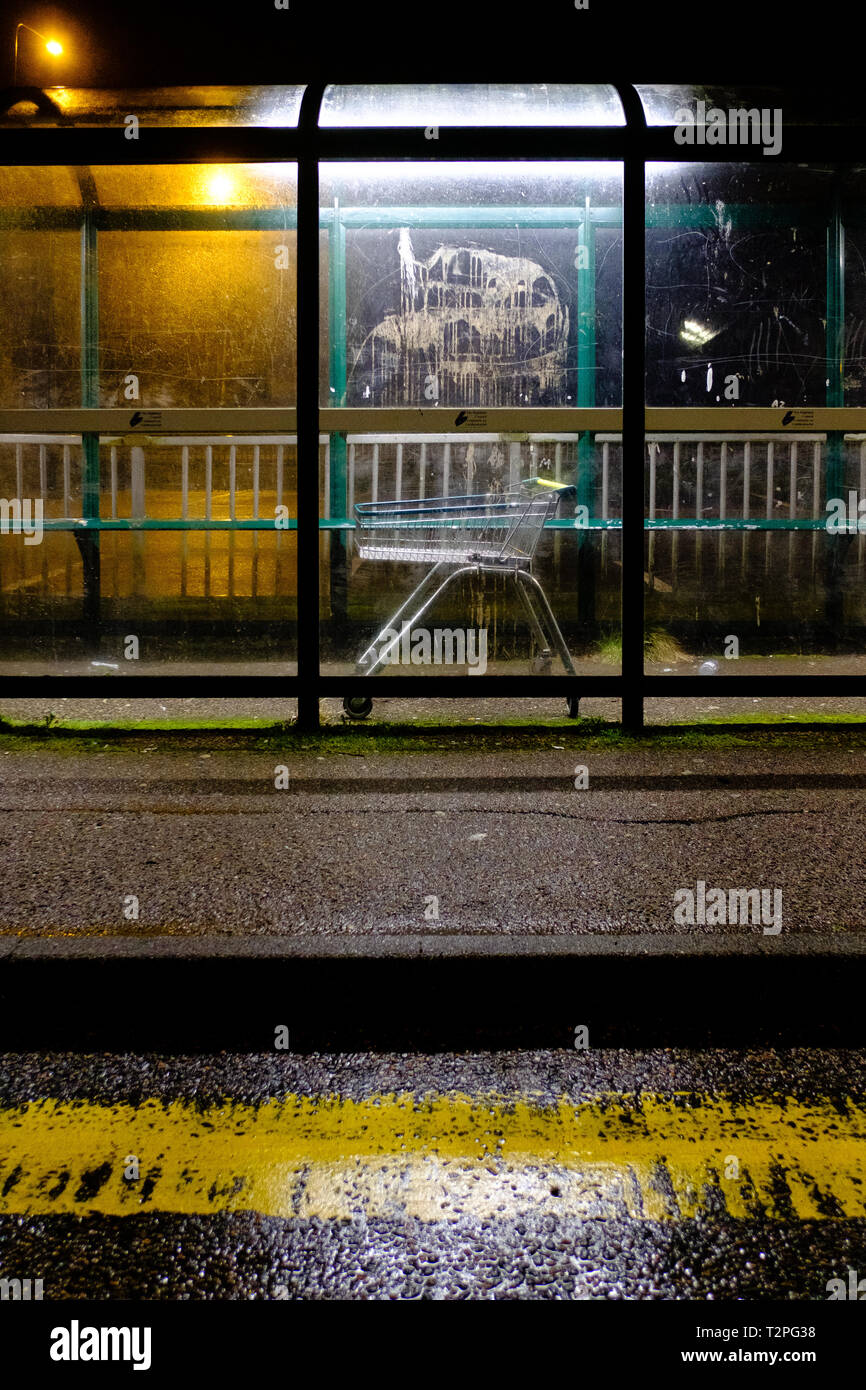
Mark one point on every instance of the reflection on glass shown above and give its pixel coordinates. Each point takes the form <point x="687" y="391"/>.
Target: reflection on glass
<point x="475" y="104"/>
<point x="837" y="104"/>
<point x="199" y="308"/>
<point x="174" y="188"/>
<point x="853" y="354"/>
<point x="191" y="275"/>
<point x="754" y="293"/>
<point x="138" y="287"/>
<point x="162" y="106"/>
<point x="736" y="285"/>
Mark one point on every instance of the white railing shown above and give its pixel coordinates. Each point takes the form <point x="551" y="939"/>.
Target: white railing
<point x="709" y="496"/>
<point x="687" y="476"/>
<point x="705" y="476"/>
<point x="253" y="469"/>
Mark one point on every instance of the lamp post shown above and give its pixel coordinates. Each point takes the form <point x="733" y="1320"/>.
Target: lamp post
<point x="51" y="45"/>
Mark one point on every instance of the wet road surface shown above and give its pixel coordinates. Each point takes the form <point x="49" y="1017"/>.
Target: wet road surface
<point x="714" y="1175"/>
<point x="138" y="843"/>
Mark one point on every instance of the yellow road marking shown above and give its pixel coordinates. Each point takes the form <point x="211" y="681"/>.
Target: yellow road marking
<point x="646" y="1156"/>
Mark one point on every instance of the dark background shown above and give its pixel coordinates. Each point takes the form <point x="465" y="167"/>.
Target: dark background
<point x="151" y="42"/>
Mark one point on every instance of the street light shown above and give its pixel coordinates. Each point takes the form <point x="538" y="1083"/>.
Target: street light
<point x="51" y="45"/>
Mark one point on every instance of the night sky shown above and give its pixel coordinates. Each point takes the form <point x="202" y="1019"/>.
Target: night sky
<point x="152" y="42"/>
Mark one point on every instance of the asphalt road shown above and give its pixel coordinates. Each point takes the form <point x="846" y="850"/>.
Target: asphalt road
<point x="550" y="1175"/>
<point x="558" y="1174"/>
<point x="143" y="843"/>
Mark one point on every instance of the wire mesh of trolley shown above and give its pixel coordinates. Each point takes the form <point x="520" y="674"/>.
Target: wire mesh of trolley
<point x="486" y="533"/>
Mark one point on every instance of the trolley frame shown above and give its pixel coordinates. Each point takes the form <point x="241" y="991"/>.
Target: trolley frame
<point x="482" y="533"/>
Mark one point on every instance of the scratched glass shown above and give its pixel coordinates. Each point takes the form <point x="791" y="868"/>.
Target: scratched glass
<point x="745" y="308"/>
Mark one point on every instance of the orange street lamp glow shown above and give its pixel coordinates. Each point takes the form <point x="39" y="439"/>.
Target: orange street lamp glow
<point x="220" y="187"/>
<point x="52" y="46"/>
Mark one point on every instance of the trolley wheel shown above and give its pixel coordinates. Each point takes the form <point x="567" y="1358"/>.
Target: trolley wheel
<point x="573" y="703"/>
<point x="542" y="663"/>
<point x="357" y="706"/>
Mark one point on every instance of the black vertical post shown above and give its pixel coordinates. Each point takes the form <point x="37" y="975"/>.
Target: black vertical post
<point x="308" y="410"/>
<point x="633" y="407"/>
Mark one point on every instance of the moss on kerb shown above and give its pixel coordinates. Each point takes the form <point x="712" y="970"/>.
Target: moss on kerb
<point x="778" y="721"/>
<point x="845" y="731"/>
<point x="370" y="727"/>
<point x="133" y="726"/>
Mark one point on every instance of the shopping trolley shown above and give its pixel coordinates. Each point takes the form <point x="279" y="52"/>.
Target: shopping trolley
<point x="486" y="533"/>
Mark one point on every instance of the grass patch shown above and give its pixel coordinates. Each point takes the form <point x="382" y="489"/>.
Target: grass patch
<point x="51" y="724"/>
<point x="658" y="645"/>
<point x="779" y="720"/>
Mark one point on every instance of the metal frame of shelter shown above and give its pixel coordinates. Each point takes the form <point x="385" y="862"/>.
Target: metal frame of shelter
<point x="632" y="145"/>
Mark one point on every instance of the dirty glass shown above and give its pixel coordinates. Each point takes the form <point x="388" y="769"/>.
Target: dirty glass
<point x="853" y="348"/>
<point x="197" y="285"/>
<point x="180" y="283"/>
<point x="40" y="254"/>
<point x="736" y="292"/>
<point x="199" y="318"/>
<point x="809" y="105"/>
<point x="495" y="284"/>
<point x="160" y="106"/>
<point x="471" y="103"/>
<point x="485" y="286"/>
<point x="194" y="268"/>
<point x="745" y="308"/>
<point x="219" y="190"/>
